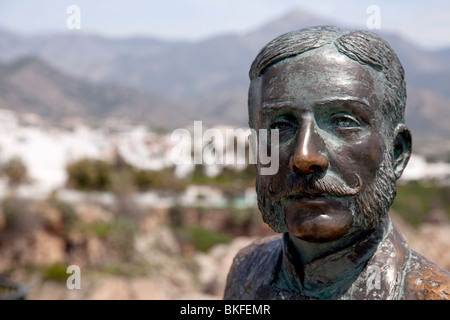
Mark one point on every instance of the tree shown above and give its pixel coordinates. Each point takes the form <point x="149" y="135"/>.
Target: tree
<point x="15" y="171"/>
<point x="89" y="174"/>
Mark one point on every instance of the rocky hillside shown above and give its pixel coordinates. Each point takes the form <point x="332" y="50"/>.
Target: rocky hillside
<point x="141" y="256"/>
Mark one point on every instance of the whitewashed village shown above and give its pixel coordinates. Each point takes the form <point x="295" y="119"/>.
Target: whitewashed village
<point x="46" y="151"/>
<point x="52" y="225"/>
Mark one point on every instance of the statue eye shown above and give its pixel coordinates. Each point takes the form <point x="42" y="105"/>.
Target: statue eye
<point x="345" y="121"/>
<point x="281" y="124"/>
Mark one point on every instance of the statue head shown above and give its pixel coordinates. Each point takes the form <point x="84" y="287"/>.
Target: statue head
<point x="337" y="98"/>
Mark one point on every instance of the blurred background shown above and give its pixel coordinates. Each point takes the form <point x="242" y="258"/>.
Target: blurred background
<point x="90" y="93"/>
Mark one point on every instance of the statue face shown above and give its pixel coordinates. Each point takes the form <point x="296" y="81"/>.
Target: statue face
<point x="333" y="145"/>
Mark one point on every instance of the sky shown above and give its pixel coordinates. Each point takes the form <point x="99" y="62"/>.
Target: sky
<point x="427" y="23"/>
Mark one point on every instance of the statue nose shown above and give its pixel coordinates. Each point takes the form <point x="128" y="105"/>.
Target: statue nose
<point x="307" y="157"/>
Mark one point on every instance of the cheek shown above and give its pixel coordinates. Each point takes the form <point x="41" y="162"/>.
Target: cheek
<point x="363" y="158"/>
<point x="372" y="150"/>
<point x="374" y="155"/>
<point x="279" y="177"/>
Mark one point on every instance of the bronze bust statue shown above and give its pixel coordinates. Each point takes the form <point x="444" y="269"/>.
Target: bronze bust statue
<point x="337" y="98"/>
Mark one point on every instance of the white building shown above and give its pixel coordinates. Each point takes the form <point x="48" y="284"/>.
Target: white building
<point x="419" y="169"/>
<point x="46" y="151"/>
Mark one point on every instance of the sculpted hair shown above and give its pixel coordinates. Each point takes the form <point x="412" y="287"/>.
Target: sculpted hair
<point x="364" y="47"/>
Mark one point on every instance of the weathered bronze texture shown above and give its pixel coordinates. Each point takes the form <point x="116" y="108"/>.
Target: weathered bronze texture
<point x="337" y="98"/>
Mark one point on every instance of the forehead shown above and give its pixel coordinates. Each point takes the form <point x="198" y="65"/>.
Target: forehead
<point x="320" y="75"/>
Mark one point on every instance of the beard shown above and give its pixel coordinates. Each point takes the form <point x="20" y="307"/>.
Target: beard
<point x="374" y="202"/>
<point x="369" y="203"/>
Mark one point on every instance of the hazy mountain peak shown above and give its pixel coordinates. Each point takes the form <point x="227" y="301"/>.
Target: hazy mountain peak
<point x="28" y="62"/>
<point x="207" y="80"/>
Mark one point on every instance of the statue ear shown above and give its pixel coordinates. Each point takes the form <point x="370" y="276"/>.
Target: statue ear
<point x="402" y="149"/>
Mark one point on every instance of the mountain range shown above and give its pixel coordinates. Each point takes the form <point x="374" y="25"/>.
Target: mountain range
<point x="172" y="83"/>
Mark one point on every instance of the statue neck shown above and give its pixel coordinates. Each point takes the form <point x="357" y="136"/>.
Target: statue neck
<point x="324" y="269"/>
<point x="309" y="251"/>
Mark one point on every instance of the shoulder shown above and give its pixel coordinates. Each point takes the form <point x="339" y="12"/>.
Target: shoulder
<point x="426" y="280"/>
<point x="252" y="265"/>
<point x="257" y="248"/>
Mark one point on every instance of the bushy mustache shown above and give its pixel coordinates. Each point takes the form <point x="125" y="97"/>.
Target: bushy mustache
<point x="331" y="186"/>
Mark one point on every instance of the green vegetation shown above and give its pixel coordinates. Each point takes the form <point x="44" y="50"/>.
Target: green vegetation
<point x="18" y="216"/>
<point x="176" y="216"/>
<point x="227" y="176"/>
<point x="119" y="233"/>
<point x="101" y="229"/>
<point x="164" y="179"/>
<point x="69" y="216"/>
<point x="98" y="175"/>
<point x="89" y="174"/>
<point x="200" y="238"/>
<point x="122" y="238"/>
<point x="123" y="268"/>
<point x="415" y="201"/>
<point x="232" y="182"/>
<point x="15" y="171"/>
<point x="204" y="239"/>
<point x="56" y="272"/>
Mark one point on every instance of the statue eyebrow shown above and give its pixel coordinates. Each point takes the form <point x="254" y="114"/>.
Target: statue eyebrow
<point x="269" y="108"/>
<point x="277" y="105"/>
<point x="281" y="106"/>
<point x="363" y="102"/>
